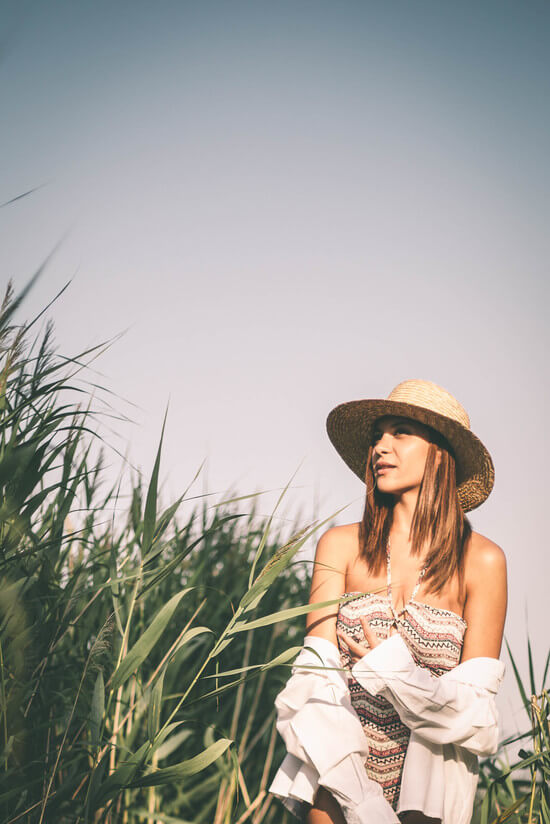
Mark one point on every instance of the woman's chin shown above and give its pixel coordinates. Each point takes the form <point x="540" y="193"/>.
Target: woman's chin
<point x="384" y="486"/>
<point x="392" y="488"/>
<point x="397" y="490"/>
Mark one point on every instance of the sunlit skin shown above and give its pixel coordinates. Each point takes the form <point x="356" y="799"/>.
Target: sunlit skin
<point x="404" y="444"/>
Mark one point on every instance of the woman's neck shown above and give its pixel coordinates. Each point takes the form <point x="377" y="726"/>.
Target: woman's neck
<point x="403" y="513"/>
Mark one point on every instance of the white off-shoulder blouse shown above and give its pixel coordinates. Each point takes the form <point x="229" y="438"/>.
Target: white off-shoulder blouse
<point x="453" y="720"/>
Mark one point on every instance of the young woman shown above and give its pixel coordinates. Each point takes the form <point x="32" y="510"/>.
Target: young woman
<point x="413" y="567"/>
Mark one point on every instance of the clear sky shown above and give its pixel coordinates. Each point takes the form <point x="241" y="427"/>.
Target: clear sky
<point x="288" y="205"/>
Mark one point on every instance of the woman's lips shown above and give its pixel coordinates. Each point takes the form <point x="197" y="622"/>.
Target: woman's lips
<point x="380" y="469"/>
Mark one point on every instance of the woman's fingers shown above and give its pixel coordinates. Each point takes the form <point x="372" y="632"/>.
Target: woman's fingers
<point x="359" y="650"/>
<point x="372" y="638"/>
<point x="356" y="650"/>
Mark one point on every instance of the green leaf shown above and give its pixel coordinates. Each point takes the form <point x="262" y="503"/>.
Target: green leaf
<point x="279" y="660"/>
<point x="97" y="709"/>
<point x="266" y="533"/>
<point x="163" y="523"/>
<point x="163" y="735"/>
<point x="280" y="560"/>
<point x="190" y="635"/>
<point x="4" y="754"/>
<point x="153" y="718"/>
<point x="270" y="572"/>
<point x="170" y="775"/>
<point x="521" y="765"/>
<point x="225" y="643"/>
<point x="177" y="561"/>
<point x="141" y="649"/>
<point x="531" y="668"/>
<point x="486" y="806"/>
<point x="286" y="614"/>
<point x="519" y="682"/>
<point x="505" y="814"/>
<point x="180" y="650"/>
<point x="172" y="744"/>
<point x="149" y="517"/>
<point x="122" y="776"/>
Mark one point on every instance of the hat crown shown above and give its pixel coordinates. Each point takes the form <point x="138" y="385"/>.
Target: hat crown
<point x="428" y="395"/>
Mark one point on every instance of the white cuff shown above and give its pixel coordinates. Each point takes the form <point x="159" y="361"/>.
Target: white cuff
<point x="389" y="657"/>
<point x="362" y="799"/>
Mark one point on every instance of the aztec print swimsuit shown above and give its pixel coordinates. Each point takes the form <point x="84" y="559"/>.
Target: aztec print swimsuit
<point x="434" y="637"/>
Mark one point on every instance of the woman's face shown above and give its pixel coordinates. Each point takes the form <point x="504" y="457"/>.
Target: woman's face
<point x="402" y="444"/>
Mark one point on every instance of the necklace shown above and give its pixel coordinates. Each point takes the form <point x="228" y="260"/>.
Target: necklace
<point x="397" y="614"/>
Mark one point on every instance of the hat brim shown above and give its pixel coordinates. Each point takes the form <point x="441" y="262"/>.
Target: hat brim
<point x="350" y="429"/>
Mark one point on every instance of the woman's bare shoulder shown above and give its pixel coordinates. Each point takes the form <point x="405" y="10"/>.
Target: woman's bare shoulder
<point x="341" y="534"/>
<point x="483" y="557"/>
<point x="340" y="539"/>
<point x="344" y="530"/>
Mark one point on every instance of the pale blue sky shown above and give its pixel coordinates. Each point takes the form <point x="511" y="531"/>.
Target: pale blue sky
<point x="290" y="205"/>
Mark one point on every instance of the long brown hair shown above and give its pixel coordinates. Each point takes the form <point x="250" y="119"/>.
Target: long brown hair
<point x="438" y="519"/>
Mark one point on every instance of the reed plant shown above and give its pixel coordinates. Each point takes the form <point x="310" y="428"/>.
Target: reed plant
<point x="520" y="792"/>
<point x="135" y="649"/>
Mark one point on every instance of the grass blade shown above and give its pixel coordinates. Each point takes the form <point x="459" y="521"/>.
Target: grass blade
<point x="149" y="517"/>
<point x="141" y="649"/>
<point x="519" y="682"/>
<point x="97" y="709"/>
<point x="174" y="774"/>
<point x="153" y="718"/>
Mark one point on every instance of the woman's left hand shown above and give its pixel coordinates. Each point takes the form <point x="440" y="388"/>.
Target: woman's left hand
<point x="356" y="650"/>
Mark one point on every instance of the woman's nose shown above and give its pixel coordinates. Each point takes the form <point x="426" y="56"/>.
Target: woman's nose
<point x="383" y="443"/>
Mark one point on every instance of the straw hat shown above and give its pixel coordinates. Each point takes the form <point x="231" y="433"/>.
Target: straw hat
<point x="350" y="428"/>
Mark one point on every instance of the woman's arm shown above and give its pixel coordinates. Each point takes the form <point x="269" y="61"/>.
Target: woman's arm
<point x="486" y="599"/>
<point x="328" y="582"/>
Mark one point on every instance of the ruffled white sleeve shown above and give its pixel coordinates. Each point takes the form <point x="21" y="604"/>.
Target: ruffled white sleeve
<point x="325" y="740"/>
<point x="456" y="708"/>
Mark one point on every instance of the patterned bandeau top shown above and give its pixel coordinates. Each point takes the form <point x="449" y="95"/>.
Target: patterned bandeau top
<point x="434" y="637"/>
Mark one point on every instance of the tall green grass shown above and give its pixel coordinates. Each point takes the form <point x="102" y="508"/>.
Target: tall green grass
<point x="135" y="648"/>
<point x="520" y="792"/>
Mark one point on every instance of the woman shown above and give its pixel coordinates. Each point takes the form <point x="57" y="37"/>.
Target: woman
<point x="412" y="567"/>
